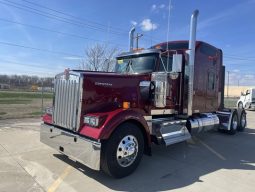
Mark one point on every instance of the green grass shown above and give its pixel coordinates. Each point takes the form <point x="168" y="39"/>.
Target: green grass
<point x="230" y="102"/>
<point x="15" y="101"/>
<point x="26" y="95"/>
<point x="18" y="104"/>
<point x="36" y="113"/>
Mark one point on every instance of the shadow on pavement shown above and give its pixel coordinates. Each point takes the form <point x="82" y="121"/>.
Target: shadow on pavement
<point x="182" y="164"/>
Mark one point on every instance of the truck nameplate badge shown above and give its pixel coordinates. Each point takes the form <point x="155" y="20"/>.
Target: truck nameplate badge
<point x="103" y="84"/>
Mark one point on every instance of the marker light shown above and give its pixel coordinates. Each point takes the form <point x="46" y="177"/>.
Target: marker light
<point x="126" y="105"/>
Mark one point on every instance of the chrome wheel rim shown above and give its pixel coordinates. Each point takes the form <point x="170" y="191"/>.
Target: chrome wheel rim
<point x="235" y="123"/>
<point x="127" y="151"/>
<point x="243" y="120"/>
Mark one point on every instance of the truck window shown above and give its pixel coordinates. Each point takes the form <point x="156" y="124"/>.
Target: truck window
<point x="211" y="81"/>
<point x="208" y="50"/>
<point x="168" y="65"/>
<point x="136" y="64"/>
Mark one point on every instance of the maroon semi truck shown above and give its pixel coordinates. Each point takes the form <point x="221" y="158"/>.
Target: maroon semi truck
<point x="161" y="95"/>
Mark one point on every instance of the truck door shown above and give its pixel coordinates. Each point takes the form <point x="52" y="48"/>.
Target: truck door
<point x="173" y="89"/>
<point x="247" y="98"/>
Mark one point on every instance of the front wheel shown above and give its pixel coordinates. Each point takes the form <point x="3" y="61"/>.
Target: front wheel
<point x="122" y="153"/>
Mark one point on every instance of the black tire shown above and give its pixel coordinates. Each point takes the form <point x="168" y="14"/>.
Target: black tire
<point x="233" y="124"/>
<point x="109" y="162"/>
<point x="242" y="121"/>
<point x="240" y="105"/>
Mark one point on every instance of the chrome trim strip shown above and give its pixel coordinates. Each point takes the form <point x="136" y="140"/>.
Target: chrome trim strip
<point x="162" y="111"/>
<point x="79" y="103"/>
<point x="147" y="118"/>
<point x="77" y="147"/>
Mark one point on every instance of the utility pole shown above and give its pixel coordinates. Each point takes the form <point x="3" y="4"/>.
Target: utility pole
<point x="228" y="84"/>
<point x="42" y="93"/>
<point x="138" y="36"/>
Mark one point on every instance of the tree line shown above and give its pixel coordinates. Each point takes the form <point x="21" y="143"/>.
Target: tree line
<point x="26" y="81"/>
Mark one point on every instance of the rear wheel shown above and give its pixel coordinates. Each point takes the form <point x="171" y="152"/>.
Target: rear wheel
<point x="240" y="105"/>
<point x="242" y="121"/>
<point x="233" y="123"/>
<point x="122" y="153"/>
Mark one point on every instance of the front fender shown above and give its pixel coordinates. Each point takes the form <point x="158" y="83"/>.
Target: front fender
<point x="114" y="119"/>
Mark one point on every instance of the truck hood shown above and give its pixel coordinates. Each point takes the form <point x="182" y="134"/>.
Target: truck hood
<point x="103" y="92"/>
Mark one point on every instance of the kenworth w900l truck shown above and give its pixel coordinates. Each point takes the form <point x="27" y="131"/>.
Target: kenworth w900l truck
<point x="162" y="95"/>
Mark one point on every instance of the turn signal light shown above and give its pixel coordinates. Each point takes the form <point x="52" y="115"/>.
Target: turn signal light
<point x="126" y="105"/>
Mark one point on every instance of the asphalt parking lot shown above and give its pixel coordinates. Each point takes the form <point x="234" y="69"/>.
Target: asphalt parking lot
<point x="211" y="162"/>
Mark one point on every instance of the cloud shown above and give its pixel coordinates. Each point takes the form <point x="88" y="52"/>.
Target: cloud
<point x="162" y="6"/>
<point x="157" y="8"/>
<point x="147" y="25"/>
<point x="249" y="77"/>
<point x="153" y="7"/>
<point x="134" y="23"/>
<point x="21" y="29"/>
<point x="224" y="15"/>
<point x="72" y="58"/>
<point x="236" y="70"/>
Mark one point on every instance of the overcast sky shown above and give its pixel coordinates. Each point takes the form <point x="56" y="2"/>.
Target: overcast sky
<point x="43" y="37"/>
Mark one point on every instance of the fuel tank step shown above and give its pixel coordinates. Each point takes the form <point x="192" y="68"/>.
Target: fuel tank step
<point x="170" y="132"/>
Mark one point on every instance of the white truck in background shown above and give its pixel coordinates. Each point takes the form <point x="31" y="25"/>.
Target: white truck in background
<point x="247" y="99"/>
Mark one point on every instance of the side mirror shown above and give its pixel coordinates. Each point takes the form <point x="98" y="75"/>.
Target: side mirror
<point x="177" y="63"/>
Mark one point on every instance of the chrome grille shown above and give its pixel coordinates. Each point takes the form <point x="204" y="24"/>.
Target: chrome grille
<point x="67" y="93"/>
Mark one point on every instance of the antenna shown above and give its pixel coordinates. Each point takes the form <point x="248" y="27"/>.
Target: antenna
<point x="137" y="37"/>
<point x="168" y="27"/>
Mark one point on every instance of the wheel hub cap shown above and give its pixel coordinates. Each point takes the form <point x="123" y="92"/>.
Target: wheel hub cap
<point x="235" y="123"/>
<point x="127" y="151"/>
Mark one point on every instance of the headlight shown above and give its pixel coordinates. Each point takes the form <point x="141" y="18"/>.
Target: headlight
<point x="91" y="120"/>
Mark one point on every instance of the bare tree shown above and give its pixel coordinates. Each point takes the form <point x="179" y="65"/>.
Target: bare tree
<point x="99" y="58"/>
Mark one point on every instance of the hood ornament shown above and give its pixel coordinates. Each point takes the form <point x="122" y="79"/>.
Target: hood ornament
<point x="67" y="74"/>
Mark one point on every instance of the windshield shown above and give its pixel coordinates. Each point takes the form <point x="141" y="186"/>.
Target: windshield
<point x="136" y="64"/>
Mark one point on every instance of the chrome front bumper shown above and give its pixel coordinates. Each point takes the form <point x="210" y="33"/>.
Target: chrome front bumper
<point x="72" y="145"/>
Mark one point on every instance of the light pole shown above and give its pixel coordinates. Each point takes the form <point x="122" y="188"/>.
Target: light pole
<point x="228" y="84"/>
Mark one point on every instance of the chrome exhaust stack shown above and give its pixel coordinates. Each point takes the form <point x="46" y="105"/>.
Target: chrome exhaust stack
<point x="191" y="52"/>
<point x="131" y="38"/>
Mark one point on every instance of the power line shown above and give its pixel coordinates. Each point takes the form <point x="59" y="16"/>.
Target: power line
<point x="239" y="58"/>
<point x="39" y="49"/>
<point x="23" y="64"/>
<point x="55" y="17"/>
<point x="75" y="17"/>
<point x="78" y="23"/>
<point x="59" y="32"/>
<point x="82" y="19"/>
